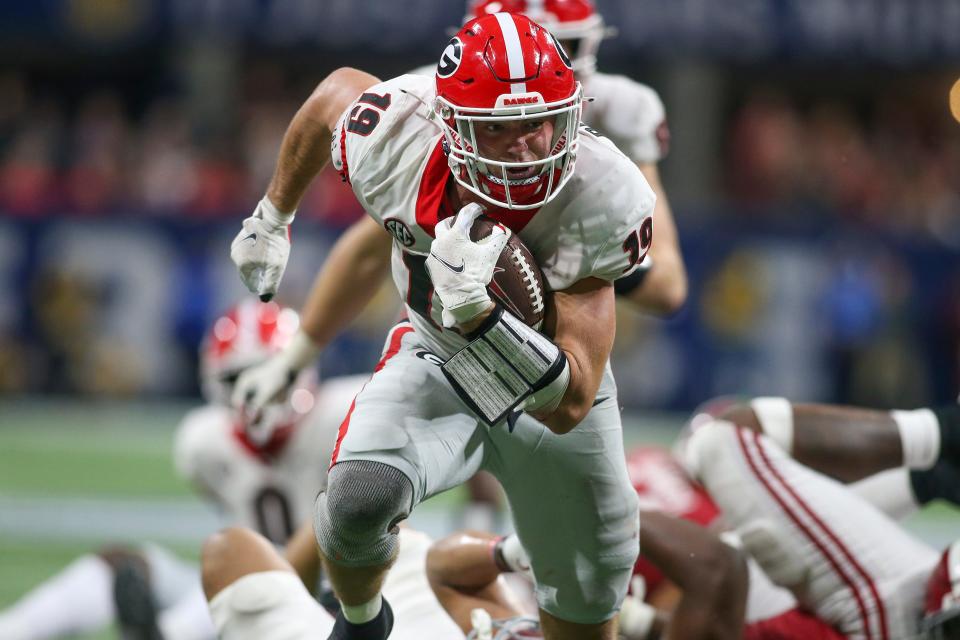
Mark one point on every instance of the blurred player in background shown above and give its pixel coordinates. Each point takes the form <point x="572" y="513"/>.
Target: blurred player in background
<point x="268" y="485"/>
<point x="898" y="460"/>
<point x="417" y="152"/>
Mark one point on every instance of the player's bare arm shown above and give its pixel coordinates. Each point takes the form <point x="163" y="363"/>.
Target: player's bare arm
<point x="305" y="149"/>
<point x="711" y="574"/>
<point x="261" y="248"/>
<point x="664" y="286"/>
<point x="355" y="267"/>
<point x="302" y="554"/>
<point x="464" y="576"/>
<point x="582" y="322"/>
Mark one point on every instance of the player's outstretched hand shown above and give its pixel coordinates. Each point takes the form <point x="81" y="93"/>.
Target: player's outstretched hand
<point x="461" y="268"/>
<point x="261" y="249"/>
<point x="270" y="381"/>
<point x="259" y="386"/>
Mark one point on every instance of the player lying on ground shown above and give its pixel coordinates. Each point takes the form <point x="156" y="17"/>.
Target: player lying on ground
<point x="843" y="557"/>
<point x="899" y="460"/>
<point x="464" y="572"/>
<point x="258" y="594"/>
<point x="421" y="156"/>
<point x="266" y="485"/>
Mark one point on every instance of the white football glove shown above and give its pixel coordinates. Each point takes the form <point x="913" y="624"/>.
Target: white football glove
<point x="270" y="381"/>
<point x="460" y="268"/>
<point x="636" y="616"/>
<point x="261" y="249"/>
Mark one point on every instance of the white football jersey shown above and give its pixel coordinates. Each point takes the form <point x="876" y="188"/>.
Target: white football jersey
<point x="631" y="114"/>
<point x="628" y="112"/>
<point x="388" y="145"/>
<point x="270" y="495"/>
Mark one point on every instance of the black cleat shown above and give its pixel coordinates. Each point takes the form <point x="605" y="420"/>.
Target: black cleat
<point x="136" y="608"/>
<point x="941" y="481"/>
<point x="377" y="629"/>
<point x="948" y="418"/>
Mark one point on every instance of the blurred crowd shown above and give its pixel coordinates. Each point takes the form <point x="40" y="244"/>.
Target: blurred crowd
<point x="99" y="157"/>
<point x="889" y="161"/>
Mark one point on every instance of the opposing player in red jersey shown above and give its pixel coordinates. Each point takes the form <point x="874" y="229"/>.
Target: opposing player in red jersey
<point x="496" y="129"/>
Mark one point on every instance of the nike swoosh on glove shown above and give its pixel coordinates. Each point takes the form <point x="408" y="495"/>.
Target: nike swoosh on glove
<point x="262" y="248"/>
<point x="460" y="268"/>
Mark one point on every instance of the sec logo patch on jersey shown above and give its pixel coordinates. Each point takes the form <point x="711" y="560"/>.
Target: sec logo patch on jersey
<point x="400" y="231"/>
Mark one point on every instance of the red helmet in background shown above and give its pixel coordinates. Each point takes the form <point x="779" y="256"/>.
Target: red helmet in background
<point x="505" y="67"/>
<point x="575" y="22"/>
<point x="942" y="602"/>
<point x="244" y="336"/>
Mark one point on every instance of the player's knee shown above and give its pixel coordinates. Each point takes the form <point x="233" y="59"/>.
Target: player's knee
<point x="356" y="517"/>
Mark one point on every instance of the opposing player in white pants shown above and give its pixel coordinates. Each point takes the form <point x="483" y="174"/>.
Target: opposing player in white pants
<point x="844" y="559"/>
<point x="268" y="485"/>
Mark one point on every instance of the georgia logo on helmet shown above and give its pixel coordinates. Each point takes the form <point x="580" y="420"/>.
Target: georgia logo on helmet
<point x="244" y="336"/>
<point x="574" y="22"/>
<point x="504" y="67"/>
<point x="942" y="602"/>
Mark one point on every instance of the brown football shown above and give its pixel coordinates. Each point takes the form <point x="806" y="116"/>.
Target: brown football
<point x="517" y="283"/>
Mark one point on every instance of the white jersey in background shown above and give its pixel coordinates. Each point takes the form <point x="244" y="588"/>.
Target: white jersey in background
<point x="631" y="114"/>
<point x="627" y="112"/>
<point x="399" y="170"/>
<point x="272" y="494"/>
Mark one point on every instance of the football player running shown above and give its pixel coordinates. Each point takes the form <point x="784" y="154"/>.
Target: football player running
<point x="265" y="484"/>
<point x="632" y="115"/>
<point x="496" y="129"/>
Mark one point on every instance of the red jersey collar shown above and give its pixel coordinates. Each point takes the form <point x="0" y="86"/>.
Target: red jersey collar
<point x="433" y="205"/>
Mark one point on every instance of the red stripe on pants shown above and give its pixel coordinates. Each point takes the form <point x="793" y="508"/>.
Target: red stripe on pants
<point x="755" y="460"/>
<point x="396" y="338"/>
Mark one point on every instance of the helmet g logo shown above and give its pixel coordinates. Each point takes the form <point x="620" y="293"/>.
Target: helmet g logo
<point x="563" y="54"/>
<point x="450" y="60"/>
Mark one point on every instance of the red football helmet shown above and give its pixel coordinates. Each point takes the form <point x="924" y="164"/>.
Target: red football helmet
<point x="575" y="22"/>
<point x="505" y="67"/>
<point x="942" y="602"/>
<point x="244" y="336"/>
